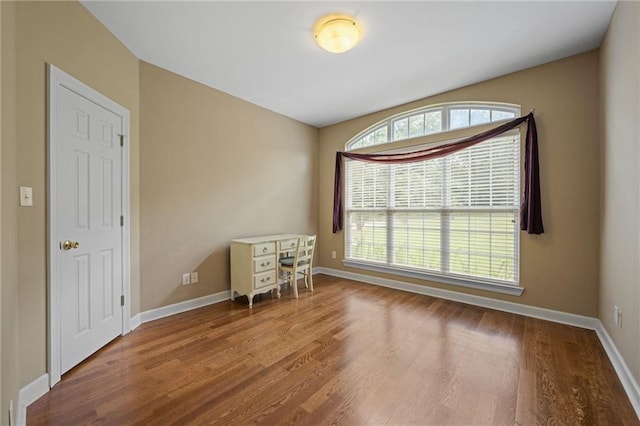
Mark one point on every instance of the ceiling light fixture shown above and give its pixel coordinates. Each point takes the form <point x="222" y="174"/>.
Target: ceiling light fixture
<point x="336" y="33"/>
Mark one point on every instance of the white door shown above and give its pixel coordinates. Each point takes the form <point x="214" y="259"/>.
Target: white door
<point x="86" y="165"/>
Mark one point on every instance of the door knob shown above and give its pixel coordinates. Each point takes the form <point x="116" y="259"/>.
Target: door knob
<point x="68" y="245"/>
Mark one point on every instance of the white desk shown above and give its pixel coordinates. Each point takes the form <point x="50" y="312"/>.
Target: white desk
<point x="254" y="264"/>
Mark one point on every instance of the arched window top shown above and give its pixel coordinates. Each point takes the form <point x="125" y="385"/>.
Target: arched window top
<point x="432" y="119"/>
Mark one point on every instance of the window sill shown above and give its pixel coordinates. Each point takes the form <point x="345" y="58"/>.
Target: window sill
<point x="494" y="287"/>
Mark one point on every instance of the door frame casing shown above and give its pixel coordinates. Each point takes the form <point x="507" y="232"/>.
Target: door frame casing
<point x="56" y="78"/>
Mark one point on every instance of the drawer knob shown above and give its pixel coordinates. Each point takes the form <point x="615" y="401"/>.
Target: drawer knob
<point x="264" y="249"/>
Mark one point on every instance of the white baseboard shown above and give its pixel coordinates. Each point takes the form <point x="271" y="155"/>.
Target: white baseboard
<point x="135" y="321"/>
<point x="29" y="394"/>
<point x="185" y="306"/>
<point x="624" y="374"/>
<point x="177" y="308"/>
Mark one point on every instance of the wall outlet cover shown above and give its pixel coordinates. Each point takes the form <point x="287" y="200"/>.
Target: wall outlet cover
<point x="186" y="279"/>
<point x="194" y="277"/>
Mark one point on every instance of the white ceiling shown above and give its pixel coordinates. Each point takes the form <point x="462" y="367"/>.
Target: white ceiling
<point x="264" y="52"/>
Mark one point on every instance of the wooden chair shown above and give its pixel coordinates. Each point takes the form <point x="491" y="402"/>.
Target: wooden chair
<point x="300" y="263"/>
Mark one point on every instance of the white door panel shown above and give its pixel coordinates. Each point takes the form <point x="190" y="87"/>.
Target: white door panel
<point x="88" y="208"/>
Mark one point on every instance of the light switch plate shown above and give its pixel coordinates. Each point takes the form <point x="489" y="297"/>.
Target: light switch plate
<point x="26" y="196"/>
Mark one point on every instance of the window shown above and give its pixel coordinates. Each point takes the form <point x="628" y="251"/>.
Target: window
<point x="430" y="120"/>
<point x="454" y="217"/>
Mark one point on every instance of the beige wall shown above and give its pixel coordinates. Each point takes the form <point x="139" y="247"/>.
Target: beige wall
<point x="9" y="224"/>
<point x="214" y="168"/>
<point x="559" y="269"/>
<point x="66" y="35"/>
<point x="620" y="251"/>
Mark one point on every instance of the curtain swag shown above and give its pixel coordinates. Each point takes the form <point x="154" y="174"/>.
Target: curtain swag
<point x="530" y="208"/>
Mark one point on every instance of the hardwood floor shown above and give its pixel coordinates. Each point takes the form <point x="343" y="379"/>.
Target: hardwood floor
<point x="349" y="353"/>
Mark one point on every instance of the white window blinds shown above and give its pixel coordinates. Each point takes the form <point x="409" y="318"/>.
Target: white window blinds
<point x="456" y="215"/>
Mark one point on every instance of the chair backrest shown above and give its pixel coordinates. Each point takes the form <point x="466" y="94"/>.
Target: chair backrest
<point x="304" y="253"/>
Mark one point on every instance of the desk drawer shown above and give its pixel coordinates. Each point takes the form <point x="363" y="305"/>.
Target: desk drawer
<point x="264" y="248"/>
<point x="264" y="279"/>
<point x="287" y="245"/>
<point x="264" y="263"/>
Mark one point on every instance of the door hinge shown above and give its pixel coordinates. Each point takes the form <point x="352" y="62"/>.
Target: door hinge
<point x="121" y="220"/>
<point x="122" y="300"/>
<point x="121" y="140"/>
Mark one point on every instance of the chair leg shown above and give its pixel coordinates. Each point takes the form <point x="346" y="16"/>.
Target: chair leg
<point x="310" y="279"/>
<point x="294" y="284"/>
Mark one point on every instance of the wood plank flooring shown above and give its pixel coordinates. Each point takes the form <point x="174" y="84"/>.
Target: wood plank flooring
<point x="349" y="353"/>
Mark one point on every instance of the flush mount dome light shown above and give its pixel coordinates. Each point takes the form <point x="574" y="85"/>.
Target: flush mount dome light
<point x="336" y="33"/>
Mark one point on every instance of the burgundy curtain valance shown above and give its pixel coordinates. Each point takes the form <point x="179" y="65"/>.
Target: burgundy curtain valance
<point x="531" y="207"/>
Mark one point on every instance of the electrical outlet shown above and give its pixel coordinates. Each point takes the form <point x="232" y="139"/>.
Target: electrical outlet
<point x="619" y="318"/>
<point x="617" y="315"/>
<point x="333" y="254"/>
<point x="194" y="277"/>
<point x="186" y="279"/>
